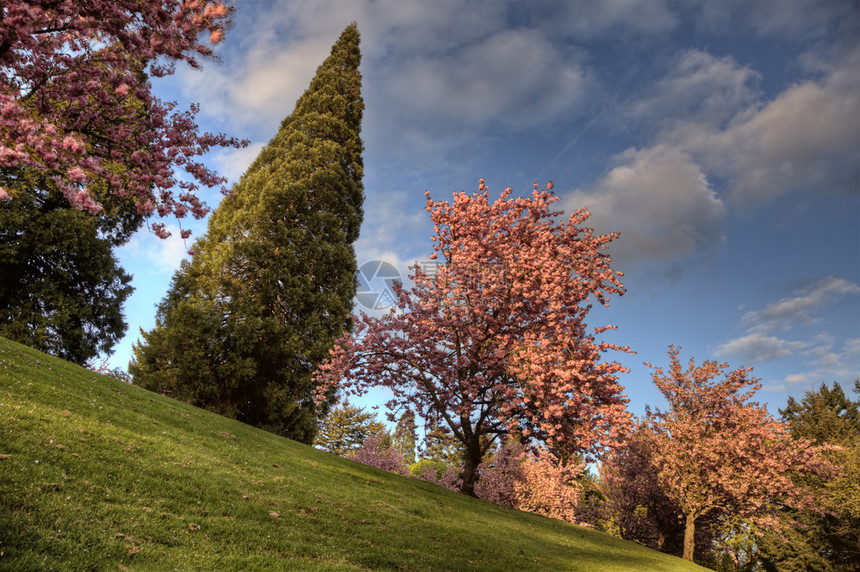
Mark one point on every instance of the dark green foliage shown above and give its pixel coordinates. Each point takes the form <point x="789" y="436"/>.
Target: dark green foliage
<point x="270" y="287"/>
<point x="824" y="416"/>
<point x="829" y="541"/>
<point x="62" y="289"/>
<point x="345" y="428"/>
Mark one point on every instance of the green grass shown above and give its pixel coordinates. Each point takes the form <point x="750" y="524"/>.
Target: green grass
<point x="99" y="475"/>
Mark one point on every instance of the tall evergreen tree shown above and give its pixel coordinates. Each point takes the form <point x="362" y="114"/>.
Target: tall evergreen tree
<point x="825" y="416"/>
<point x="270" y="286"/>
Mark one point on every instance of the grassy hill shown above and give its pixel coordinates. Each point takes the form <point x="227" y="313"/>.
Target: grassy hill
<point x="99" y="475"/>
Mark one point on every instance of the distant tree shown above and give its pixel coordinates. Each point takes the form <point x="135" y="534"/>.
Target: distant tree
<point x="270" y="287"/>
<point x="62" y="289"/>
<point x="345" y="428"/>
<point x="441" y="447"/>
<point x="825" y="416"/>
<point x="437" y="473"/>
<point x="404" y="439"/>
<point x="78" y="105"/>
<point x="634" y="506"/>
<point x="718" y="453"/>
<point x="631" y="503"/>
<point x="830" y="539"/>
<point x="501" y="473"/>
<point x="377" y="452"/>
<point x="496" y="341"/>
<point x="531" y="481"/>
<point x="548" y="486"/>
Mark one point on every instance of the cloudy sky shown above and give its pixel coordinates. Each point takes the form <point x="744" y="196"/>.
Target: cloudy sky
<point x="722" y="140"/>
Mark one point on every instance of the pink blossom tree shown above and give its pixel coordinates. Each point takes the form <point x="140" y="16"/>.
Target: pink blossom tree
<point x="532" y="481"/>
<point x="548" y="486"/>
<point x="501" y="472"/>
<point x="76" y="101"/>
<point x="633" y="505"/>
<point x="376" y="451"/>
<point x="719" y="453"/>
<point x="495" y="341"/>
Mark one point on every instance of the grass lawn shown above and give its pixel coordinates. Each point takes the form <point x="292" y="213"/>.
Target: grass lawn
<point x="99" y="475"/>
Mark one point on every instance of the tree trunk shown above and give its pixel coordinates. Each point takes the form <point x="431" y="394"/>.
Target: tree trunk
<point x="661" y="541"/>
<point x="469" y="475"/>
<point x="689" y="537"/>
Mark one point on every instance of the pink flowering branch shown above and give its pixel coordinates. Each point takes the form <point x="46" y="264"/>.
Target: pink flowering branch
<point x="76" y="102"/>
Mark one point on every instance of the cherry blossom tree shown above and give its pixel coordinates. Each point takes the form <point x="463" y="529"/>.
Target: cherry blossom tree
<point x="76" y="101"/>
<point x="719" y="453"/>
<point x="376" y="451"/>
<point x="495" y="342"/>
<point x="501" y="472"/>
<point x="531" y="481"/>
<point x="549" y="487"/>
<point x="632" y="504"/>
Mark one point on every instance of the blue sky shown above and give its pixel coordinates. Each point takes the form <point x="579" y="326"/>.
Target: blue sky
<point x="721" y="139"/>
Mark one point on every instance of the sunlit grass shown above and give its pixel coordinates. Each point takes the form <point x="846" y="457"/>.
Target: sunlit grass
<point x="99" y="475"/>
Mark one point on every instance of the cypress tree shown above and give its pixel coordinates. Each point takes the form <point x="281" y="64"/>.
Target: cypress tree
<point x="270" y="287"/>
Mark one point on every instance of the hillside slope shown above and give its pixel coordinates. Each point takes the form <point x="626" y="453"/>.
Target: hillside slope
<point x="99" y="475"/>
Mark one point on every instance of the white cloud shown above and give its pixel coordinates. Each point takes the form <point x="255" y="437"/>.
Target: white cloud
<point x="660" y="202"/>
<point x="512" y="77"/>
<point x="393" y="30"/>
<point x="806" y="139"/>
<point x="394" y="222"/>
<point x="434" y="27"/>
<point x="232" y="163"/>
<point x="830" y="363"/>
<point x="710" y="126"/>
<point x="699" y="88"/>
<point x="437" y="76"/>
<point x="281" y="44"/>
<point x="798" y="309"/>
<point x="758" y="348"/>
<point x="152" y="255"/>
<point x="260" y="89"/>
<point x="823" y="357"/>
